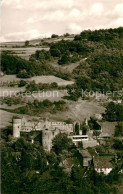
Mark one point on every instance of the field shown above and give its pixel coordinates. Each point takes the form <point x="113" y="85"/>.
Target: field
<point x="9" y="78"/>
<point x="50" y="79"/>
<point x="6" y="118"/>
<point x="52" y="95"/>
<point x="23" y="52"/>
<point x="36" y="41"/>
<point x="78" y="111"/>
<point x="38" y="79"/>
<point x="10" y="91"/>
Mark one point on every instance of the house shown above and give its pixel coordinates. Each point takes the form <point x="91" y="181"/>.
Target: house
<point x="86" y="157"/>
<point x="102" y="164"/>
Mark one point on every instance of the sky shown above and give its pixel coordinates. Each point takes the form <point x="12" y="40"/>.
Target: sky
<point x="29" y="19"/>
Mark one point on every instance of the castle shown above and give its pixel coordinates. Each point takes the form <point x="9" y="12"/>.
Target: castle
<point x="49" y="130"/>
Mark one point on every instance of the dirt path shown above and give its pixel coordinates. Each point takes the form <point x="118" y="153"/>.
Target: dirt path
<point x="68" y="68"/>
<point x="72" y="66"/>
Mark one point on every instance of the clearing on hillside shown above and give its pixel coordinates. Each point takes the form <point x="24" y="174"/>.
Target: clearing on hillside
<point x="24" y="53"/>
<point x="48" y="79"/>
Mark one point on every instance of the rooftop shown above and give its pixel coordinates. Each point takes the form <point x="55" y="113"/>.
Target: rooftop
<point x="103" y="162"/>
<point x="85" y="153"/>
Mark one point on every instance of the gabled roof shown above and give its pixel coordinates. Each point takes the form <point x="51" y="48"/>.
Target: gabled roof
<point x="85" y="153"/>
<point x="103" y="162"/>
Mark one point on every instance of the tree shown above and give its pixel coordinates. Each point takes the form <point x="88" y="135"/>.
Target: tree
<point x="76" y="129"/>
<point x="93" y="124"/>
<point x="61" y="142"/>
<point x="118" y="145"/>
<point x="54" y="85"/>
<point x="55" y="52"/>
<point x="80" y="145"/>
<point x="52" y="159"/>
<point x="54" y="36"/>
<point x="77" y="37"/>
<point x="26" y="43"/>
<point x="114" y="112"/>
<point x="119" y="130"/>
<point x="65" y="59"/>
<point x="22" y="83"/>
<point x="84" y="130"/>
<point x="96" y="133"/>
<point x="66" y="35"/>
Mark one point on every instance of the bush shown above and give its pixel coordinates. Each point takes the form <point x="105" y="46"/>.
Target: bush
<point x="54" y="36"/>
<point x="22" y="83"/>
<point x="55" y="52"/>
<point x="114" y="112"/>
<point x="118" y="144"/>
<point x="64" y="60"/>
<point x="54" y="85"/>
<point x="93" y="124"/>
<point x="119" y="130"/>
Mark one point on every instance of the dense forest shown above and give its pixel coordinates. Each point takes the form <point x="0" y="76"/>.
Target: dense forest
<point x="25" y="69"/>
<point x="27" y="168"/>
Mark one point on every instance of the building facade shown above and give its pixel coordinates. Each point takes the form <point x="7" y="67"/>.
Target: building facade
<point x="49" y="129"/>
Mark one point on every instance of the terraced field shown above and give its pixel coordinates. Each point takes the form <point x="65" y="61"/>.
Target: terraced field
<point x="38" y="79"/>
<point x="23" y="52"/>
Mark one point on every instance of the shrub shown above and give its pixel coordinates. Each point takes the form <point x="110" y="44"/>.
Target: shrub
<point x="22" y="83"/>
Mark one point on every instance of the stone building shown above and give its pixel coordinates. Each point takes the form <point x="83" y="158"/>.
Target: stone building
<point x="49" y="129"/>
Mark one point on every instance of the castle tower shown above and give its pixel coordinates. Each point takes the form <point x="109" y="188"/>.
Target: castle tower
<point x="47" y="136"/>
<point x="16" y="127"/>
